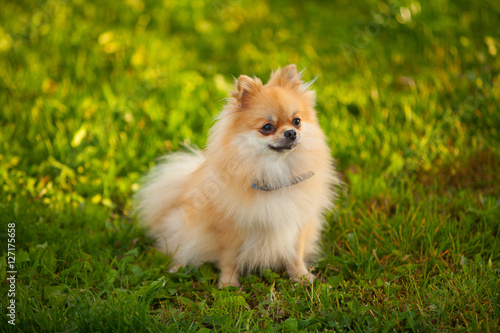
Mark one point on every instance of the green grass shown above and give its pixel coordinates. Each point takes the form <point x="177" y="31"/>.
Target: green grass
<point x="91" y="92"/>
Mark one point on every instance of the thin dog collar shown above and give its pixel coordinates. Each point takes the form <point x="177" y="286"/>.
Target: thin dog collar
<point x="294" y="180"/>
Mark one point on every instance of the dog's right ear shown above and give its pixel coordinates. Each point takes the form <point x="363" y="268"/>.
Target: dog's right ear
<point x="246" y="87"/>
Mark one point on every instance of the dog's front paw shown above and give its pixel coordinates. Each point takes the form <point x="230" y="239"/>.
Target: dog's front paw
<point x="232" y="283"/>
<point x="174" y="268"/>
<point x="310" y="277"/>
<point x="228" y="276"/>
<point x="307" y="278"/>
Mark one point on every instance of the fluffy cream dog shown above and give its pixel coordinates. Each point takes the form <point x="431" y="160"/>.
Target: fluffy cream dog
<point x="255" y="197"/>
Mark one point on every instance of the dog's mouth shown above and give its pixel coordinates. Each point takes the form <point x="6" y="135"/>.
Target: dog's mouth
<point x="283" y="148"/>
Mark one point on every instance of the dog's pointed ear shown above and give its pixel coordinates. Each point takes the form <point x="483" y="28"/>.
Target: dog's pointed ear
<point x="246" y="87"/>
<point x="286" y="77"/>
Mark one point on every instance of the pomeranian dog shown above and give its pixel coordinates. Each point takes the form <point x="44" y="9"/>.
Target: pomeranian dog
<point x="255" y="197"/>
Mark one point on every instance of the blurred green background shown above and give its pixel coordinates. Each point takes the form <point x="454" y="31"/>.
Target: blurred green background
<point x="92" y="92"/>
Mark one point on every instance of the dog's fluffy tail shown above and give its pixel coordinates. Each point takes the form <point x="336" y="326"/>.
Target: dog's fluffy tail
<point x="163" y="187"/>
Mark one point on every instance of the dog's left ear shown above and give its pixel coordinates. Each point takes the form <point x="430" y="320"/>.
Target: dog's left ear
<point x="286" y="77"/>
<point x="246" y="88"/>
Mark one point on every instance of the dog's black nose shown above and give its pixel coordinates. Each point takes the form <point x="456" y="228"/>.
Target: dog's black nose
<point x="290" y="134"/>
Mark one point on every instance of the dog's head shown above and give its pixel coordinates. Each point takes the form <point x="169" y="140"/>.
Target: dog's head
<point x="275" y="118"/>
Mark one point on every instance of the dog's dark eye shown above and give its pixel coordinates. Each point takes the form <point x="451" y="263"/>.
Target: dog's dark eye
<point x="296" y="122"/>
<point x="267" y="129"/>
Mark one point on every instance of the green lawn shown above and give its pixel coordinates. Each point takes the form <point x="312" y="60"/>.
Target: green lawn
<point x="92" y="92"/>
